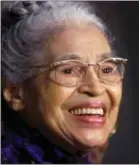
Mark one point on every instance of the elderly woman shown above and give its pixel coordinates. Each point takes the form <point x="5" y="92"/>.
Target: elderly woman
<point x="61" y="81"/>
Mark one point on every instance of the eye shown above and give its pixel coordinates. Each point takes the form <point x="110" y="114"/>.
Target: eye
<point x="68" y="71"/>
<point x="108" y="70"/>
<point x="75" y="70"/>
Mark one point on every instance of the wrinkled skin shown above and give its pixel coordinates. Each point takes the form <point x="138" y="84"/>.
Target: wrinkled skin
<point x="45" y="104"/>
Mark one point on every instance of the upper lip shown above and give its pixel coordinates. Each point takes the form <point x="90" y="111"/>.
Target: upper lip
<point x="90" y="104"/>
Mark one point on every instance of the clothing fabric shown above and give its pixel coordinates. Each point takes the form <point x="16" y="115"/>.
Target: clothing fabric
<point x="22" y="144"/>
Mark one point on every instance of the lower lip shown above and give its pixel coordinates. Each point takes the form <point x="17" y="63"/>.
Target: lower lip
<point x="95" y="120"/>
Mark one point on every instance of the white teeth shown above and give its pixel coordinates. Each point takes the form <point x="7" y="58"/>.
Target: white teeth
<point x="101" y="111"/>
<point x="79" y="111"/>
<point x="96" y="111"/>
<point x="88" y="111"/>
<point x="83" y="111"/>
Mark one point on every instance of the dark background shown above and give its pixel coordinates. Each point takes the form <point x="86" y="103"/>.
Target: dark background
<point x="123" y="20"/>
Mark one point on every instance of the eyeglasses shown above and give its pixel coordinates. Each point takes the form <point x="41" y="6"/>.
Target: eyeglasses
<point x="70" y="73"/>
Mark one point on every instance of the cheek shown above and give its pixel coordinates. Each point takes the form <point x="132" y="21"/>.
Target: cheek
<point x="53" y="96"/>
<point x="46" y="102"/>
<point x="51" y="105"/>
<point x="115" y="94"/>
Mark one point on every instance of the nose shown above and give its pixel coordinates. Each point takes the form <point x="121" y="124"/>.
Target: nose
<point x="91" y="84"/>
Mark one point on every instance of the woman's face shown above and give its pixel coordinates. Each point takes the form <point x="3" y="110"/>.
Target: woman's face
<point x="47" y="104"/>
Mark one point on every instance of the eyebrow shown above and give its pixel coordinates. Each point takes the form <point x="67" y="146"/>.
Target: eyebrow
<point x="67" y="56"/>
<point x="104" y="56"/>
<point x="72" y="56"/>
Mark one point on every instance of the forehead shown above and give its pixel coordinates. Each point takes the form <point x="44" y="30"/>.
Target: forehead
<point x="87" y="44"/>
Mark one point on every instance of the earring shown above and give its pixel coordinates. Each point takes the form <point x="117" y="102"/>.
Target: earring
<point x="112" y="132"/>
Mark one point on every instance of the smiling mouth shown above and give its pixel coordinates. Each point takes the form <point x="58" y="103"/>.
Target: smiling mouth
<point x="93" y="116"/>
<point x="93" y="113"/>
<point x="88" y="112"/>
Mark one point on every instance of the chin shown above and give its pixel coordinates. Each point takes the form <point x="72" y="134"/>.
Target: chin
<point x="91" y="140"/>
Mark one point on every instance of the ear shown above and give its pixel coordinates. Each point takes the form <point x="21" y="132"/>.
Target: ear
<point x="13" y="94"/>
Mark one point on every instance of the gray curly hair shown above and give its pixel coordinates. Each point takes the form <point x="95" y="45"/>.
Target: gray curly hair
<point x="26" y="26"/>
